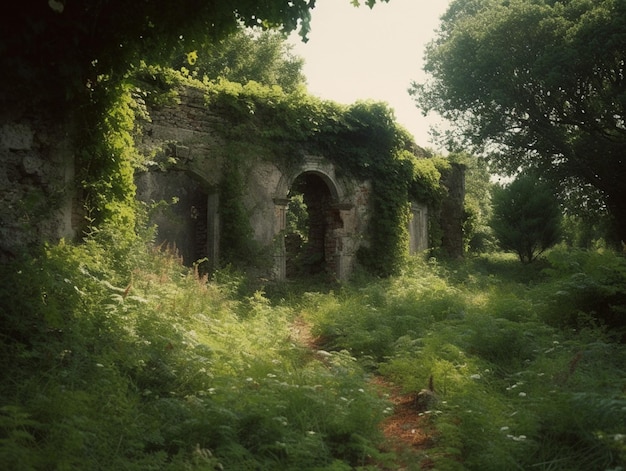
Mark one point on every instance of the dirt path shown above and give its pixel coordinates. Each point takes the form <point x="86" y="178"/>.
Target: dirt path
<point x="408" y="432"/>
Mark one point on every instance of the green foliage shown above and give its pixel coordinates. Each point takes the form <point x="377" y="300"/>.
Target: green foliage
<point x="246" y="55"/>
<point x="154" y="85"/>
<point x="588" y="290"/>
<point x="587" y="221"/>
<point x="538" y="86"/>
<point x="237" y="244"/>
<point x="107" y="160"/>
<point x="117" y="354"/>
<point x="426" y="180"/>
<point x="118" y="358"/>
<point x="526" y="217"/>
<point x="510" y="391"/>
<point x="297" y="216"/>
<point x="50" y="51"/>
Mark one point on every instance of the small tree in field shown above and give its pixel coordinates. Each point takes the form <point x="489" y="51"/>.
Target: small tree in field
<point x="526" y="217"/>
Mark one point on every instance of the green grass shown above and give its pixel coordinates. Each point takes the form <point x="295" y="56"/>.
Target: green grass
<point x="525" y="378"/>
<point x="116" y="357"/>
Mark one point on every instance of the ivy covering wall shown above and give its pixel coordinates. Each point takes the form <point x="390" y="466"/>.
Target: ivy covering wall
<point x="363" y="140"/>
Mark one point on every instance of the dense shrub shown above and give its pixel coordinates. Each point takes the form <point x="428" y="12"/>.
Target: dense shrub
<point x="526" y="217"/>
<point x="116" y="358"/>
<point x="512" y="392"/>
<point x="587" y="289"/>
<point x="120" y="358"/>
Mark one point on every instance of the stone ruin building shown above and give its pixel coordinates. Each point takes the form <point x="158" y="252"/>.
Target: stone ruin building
<point x="38" y="160"/>
<point x="338" y="207"/>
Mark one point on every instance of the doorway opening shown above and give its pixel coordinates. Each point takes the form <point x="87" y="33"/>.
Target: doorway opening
<point x="181" y="219"/>
<point x="310" y="241"/>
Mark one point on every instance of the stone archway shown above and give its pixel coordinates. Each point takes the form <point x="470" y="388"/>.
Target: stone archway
<point x="324" y="247"/>
<point x="189" y="222"/>
<point x="310" y="235"/>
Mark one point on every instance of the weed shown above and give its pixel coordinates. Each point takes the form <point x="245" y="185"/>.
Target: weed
<point x="117" y="357"/>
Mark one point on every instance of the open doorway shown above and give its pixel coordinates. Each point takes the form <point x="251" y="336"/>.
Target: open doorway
<point x="310" y="243"/>
<point x="181" y="215"/>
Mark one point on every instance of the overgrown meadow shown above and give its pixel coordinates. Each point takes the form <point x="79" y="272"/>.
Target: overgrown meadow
<point x="116" y="357"/>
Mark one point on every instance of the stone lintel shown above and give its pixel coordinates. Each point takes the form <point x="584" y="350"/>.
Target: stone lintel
<point x="343" y="206"/>
<point x="281" y="201"/>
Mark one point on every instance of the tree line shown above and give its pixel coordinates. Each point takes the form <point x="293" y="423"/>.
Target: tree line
<point x="538" y="87"/>
<point x="534" y="88"/>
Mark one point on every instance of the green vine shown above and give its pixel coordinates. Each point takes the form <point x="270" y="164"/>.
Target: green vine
<point x="363" y="140"/>
<point x="236" y="234"/>
<point x="107" y="159"/>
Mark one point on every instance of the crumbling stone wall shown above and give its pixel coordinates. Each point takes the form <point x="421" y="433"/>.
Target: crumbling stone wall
<point x="187" y="132"/>
<point x="184" y="135"/>
<point x="452" y="212"/>
<point x="185" y="154"/>
<point x="189" y="156"/>
<point x="36" y="182"/>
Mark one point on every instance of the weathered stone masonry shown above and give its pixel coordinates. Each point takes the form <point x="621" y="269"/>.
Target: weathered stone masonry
<point x="187" y="132"/>
<point x="38" y="200"/>
<point x="36" y="181"/>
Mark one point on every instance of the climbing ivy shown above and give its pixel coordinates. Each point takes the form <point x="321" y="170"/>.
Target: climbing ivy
<point x="236" y="234"/>
<point x="107" y="159"/>
<point x="363" y="140"/>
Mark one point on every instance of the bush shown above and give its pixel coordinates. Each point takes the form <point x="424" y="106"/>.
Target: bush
<point x="587" y="289"/>
<point x="526" y="217"/>
<point x="116" y="355"/>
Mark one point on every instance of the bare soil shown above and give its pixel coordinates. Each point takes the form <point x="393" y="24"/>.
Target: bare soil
<point x="408" y="431"/>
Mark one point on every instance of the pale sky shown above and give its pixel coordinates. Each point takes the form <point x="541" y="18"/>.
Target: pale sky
<point x="362" y="53"/>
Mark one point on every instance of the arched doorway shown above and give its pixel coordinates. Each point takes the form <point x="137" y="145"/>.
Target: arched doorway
<point x="311" y="239"/>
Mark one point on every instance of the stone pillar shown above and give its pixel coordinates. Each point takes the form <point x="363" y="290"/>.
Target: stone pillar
<point x="280" y="224"/>
<point x="340" y="254"/>
<point x="418" y="228"/>
<point x="452" y="211"/>
<point x="213" y="230"/>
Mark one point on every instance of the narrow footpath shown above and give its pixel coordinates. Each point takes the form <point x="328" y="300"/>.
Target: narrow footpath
<point x="408" y="431"/>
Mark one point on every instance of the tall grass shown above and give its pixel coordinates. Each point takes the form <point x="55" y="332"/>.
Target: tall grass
<point x="115" y="356"/>
<point x="526" y="361"/>
<point x="149" y="366"/>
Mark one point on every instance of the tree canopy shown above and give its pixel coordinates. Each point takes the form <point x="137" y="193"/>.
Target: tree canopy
<point x="53" y="50"/>
<point x="537" y="85"/>
<point x="249" y="54"/>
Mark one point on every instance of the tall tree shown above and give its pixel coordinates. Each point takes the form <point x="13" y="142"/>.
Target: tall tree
<point x="263" y="56"/>
<point x="53" y="50"/>
<point x="539" y="85"/>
